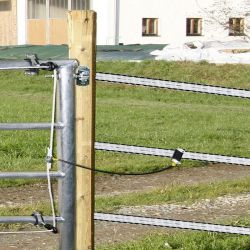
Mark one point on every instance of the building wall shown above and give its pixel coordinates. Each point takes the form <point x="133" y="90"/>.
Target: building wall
<point x="172" y="19"/>
<point x="21" y="22"/>
<point x="106" y="21"/>
<point x="8" y="24"/>
<point x="120" y="21"/>
<point x="45" y="22"/>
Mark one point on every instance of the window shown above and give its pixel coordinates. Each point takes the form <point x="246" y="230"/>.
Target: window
<point x="149" y="26"/>
<point x="36" y="9"/>
<point x="193" y="26"/>
<point x="56" y="8"/>
<point x="5" y="5"/>
<point x="236" y="26"/>
<point x="80" y="5"/>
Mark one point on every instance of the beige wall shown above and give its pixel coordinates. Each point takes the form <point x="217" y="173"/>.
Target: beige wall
<point x="52" y="32"/>
<point x="8" y="23"/>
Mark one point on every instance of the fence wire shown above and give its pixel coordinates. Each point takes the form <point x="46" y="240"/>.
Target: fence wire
<point x="158" y="83"/>
<point x="140" y="220"/>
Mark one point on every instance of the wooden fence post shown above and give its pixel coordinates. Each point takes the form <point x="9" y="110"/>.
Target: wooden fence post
<point x="82" y="46"/>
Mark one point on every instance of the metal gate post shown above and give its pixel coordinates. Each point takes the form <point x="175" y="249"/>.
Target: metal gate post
<point x="66" y="151"/>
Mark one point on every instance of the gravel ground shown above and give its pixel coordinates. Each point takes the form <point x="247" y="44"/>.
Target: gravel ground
<point x="219" y="209"/>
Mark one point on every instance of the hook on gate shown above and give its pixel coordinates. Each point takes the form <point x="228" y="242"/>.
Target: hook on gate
<point x="39" y="221"/>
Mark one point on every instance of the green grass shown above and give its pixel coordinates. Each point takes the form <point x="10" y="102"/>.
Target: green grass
<point x="187" y="240"/>
<point x="26" y="210"/>
<point x="184" y="241"/>
<point x="139" y="116"/>
<point x="236" y="76"/>
<point x="167" y="119"/>
<point x="133" y="115"/>
<point x="173" y="194"/>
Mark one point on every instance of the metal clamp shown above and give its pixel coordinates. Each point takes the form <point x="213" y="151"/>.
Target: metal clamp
<point x="33" y="60"/>
<point x="82" y="76"/>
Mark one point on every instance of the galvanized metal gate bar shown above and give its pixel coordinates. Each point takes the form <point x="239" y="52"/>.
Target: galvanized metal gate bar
<point x="65" y="126"/>
<point x="25" y="64"/>
<point x="66" y="150"/>
<point x="28" y="126"/>
<point x="27" y="219"/>
<point x="30" y="175"/>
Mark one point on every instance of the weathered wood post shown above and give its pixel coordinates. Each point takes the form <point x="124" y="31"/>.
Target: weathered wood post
<point x="82" y="46"/>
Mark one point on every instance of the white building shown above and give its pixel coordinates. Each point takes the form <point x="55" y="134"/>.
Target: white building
<point x="126" y="21"/>
<point x="166" y="21"/>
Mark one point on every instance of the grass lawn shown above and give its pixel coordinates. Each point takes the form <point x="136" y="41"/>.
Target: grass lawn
<point x="184" y="241"/>
<point x="134" y="115"/>
<point x="173" y="194"/>
<point x="144" y="117"/>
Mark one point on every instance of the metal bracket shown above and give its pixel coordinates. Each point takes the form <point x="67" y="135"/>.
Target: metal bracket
<point x="82" y="76"/>
<point x="33" y="60"/>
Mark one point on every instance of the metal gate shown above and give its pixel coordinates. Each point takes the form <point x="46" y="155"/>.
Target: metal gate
<point x="64" y="124"/>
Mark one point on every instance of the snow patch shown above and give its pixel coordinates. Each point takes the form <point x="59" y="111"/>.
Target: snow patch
<point x="233" y="52"/>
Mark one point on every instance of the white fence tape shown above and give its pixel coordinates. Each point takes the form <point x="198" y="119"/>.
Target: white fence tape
<point x="168" y="153"/>
<point x="172" y="223"/>
<point x="157" y="83"/>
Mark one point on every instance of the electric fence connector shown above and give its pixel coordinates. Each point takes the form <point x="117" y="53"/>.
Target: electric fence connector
<point x="177" y="156"/>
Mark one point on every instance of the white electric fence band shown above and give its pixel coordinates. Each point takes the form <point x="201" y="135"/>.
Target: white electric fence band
<point x="157" y="83"/>
<point x="172" y="223"/>
<point x="169" y="153"/>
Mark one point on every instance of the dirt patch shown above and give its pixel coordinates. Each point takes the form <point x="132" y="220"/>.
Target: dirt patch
<point x="26" y="195"/>
<point x="111" y="185"/>
<point x="185" y="176"/>
<point x="208" y="210"/>
<point x="218" y="209"/>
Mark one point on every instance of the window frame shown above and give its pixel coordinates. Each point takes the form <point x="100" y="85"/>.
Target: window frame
<point x="191" y="22"/>
<point x="236" y="29"/>
<point x="53" y="9"/>
<point x="150" y="26"/>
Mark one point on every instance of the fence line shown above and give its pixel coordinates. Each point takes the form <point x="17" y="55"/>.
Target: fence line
<point x="66" y="128"/>
<point x="169" y="152"/>
<point x="194" y="87"/>
<point x="140" y="220"/>
<point x="184" y="86"/>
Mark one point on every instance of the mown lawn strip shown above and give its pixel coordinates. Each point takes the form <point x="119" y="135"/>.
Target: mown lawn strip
<point x="173" y="194"/>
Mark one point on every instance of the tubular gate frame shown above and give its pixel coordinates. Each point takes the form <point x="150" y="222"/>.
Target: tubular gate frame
<point x="65" y="126"/>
